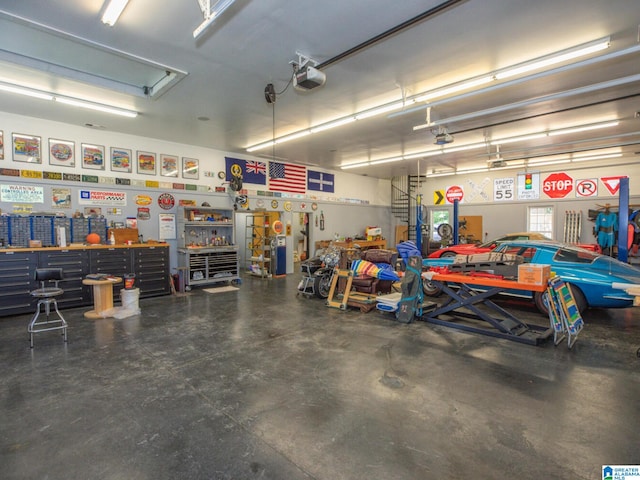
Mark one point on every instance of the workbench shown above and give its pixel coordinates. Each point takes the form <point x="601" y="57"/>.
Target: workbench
<point x="469" y="307"/>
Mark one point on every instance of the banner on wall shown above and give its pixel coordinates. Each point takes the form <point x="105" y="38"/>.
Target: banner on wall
<point x="102" y="197"/>
<point x="21" y="194"/>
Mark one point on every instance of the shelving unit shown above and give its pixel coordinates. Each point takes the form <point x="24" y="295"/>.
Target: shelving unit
<point x="258" y="244"/>
<point x="206" y="245"/>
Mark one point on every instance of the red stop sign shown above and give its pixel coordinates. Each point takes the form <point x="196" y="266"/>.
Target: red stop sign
<point x="557" y="185"/>
<point x="454" y="193"/>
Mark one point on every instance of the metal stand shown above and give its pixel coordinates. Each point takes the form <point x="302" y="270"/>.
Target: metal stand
<point x="35" y="326"/>
<point x="463" y="304"/>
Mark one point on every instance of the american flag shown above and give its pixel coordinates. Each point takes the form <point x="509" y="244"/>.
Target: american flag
<point x="284" y="177"/>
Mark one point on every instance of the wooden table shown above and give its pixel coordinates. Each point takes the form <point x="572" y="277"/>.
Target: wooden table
<point x="102" y="296"/>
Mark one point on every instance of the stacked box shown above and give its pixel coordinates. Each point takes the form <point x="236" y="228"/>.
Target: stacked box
<point x="533" y="273"/>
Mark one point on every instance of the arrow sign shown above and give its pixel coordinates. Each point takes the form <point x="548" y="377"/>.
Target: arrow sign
<point x="438" y="197"/>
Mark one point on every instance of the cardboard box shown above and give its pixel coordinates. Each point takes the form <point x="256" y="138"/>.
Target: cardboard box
<point x="35" y="243"/>
<point x="533" y="273"/>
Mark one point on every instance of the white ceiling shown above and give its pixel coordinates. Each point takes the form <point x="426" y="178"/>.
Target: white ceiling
<point x="254" y="42"/>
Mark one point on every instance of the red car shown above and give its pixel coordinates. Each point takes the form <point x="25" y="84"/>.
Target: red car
<point x="470" y="248"/>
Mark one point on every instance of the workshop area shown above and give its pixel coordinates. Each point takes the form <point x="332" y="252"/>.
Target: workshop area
<point x="237" y="385"/>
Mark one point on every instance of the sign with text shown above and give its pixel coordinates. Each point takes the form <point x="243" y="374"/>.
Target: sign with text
<point x="504" y="189"/>
<point x="21" y="194"/>
<point x="557" y="185"/>
<point x="528" y="186"/>
<point x="102" y="197"/>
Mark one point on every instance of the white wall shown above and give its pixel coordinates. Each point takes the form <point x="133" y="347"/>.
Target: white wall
<point x="501" y="217"/>
<point x="372" y="195"/>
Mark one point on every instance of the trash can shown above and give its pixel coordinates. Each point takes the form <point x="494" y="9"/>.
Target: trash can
<point x="130" y="299"/>
<point x="129" y="281"/>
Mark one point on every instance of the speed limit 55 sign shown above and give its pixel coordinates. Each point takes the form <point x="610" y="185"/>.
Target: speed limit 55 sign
<point x="504" y="189"/>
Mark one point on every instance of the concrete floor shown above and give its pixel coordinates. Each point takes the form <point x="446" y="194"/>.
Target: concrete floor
<point x="261" y="383"/>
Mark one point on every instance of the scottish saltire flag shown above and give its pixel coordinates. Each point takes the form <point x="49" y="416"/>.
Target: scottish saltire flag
<point x="320" y="181"/>
<point x="285" y="177"/>
<point x="252" y="171"/>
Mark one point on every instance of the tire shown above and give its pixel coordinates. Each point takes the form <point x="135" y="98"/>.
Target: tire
<point x="431" y="289"/>
<point x="541" y="300"/>
<point x="322" y="285"/>
<point x="448" y="254"/>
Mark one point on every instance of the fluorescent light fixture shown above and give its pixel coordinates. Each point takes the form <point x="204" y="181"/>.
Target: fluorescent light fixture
<point x="538" y="163"/>
<point x="337" y="123"/>
<point x="211" y="14"/>
<point x="458" y="87"/>
<point x="293" y="136"/>
<point x="260" y="146"/>
<point x="595" y="157"/>
<point x="25" y="91"/>
<point x="112" y="11"/>
<point x="354" y="165"/>
<point x="76" y="102"/>
<point x="521" y="138"/>
<point x="584" y="128"/>
<point x="440" y="174"/>
<point x="462" y="171"/>
<point x="554" y="59"/>
<point x="463" y="148"/>
<point x="96" y="106"/>
<point x="380" y="110"/>
<point x="387" y="160"/>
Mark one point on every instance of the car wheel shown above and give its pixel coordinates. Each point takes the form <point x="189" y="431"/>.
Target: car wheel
<point x="541" y="300"/>
<point x="431" y="289"/>
<point x="448" y="254"/>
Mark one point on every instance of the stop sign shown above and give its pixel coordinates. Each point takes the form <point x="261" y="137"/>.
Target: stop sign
<point x="557" y="185"/>
<point x="454" y="192"/>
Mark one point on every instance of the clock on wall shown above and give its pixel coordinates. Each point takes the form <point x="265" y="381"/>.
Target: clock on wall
<point x="221" y="175"/>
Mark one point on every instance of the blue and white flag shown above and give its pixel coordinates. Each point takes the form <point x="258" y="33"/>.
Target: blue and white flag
<point x="320" y="181"/>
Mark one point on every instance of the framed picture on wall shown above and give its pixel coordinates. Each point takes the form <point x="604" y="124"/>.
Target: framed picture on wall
<point x="120" y="160"/>
<point x="92" y="156"/>
<point x="190" y="168"/>
<point x="1" y="145"/>
<point x="62" y="152"/>
<point x="168" y="165"/>
<point x="146" y="163"/>
<point x="27" y="148"/>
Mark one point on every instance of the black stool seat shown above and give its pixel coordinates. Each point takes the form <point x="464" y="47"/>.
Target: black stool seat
<point x="47" y="296"/>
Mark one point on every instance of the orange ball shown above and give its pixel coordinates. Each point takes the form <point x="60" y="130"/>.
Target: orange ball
<point x="93" y="238"/>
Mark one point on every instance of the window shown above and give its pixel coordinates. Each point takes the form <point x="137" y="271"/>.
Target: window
<point x="541" y="220"/>
<point x="438" y="217"/>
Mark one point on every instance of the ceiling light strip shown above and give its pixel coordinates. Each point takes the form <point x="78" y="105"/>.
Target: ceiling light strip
<point x="525" y="103"/>
<point x="535" y="76"/>
<point x="561" y="56"/>
<point x="472" y="146"/>
<point x="76" y="102"/>
<point x="113" y="11"/>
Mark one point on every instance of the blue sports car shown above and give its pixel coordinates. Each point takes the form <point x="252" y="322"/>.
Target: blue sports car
<point x="591" y="276"/>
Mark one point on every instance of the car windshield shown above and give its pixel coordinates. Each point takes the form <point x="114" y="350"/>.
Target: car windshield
<point x="574" y="256"/>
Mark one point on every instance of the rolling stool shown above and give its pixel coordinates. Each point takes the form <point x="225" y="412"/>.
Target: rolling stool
<point x="47" y="296"/>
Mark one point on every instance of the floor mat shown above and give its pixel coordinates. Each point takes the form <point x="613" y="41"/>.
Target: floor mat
<point x="227" y="288"/>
